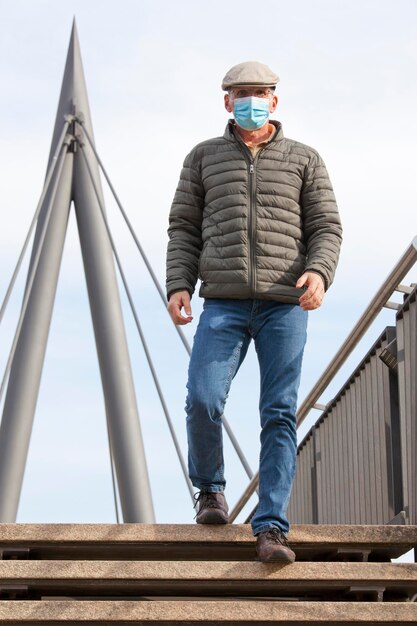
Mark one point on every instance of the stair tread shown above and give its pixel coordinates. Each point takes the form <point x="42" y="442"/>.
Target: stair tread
<point x="216" y="579"/>
<point x="206" y="612"/>
<point x="189" y="533"/>
<point x="200" y="570"/>
<point x="201" y="542"/>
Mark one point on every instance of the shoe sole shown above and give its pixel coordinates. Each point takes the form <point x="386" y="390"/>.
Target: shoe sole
<point x="278" y="558"/>
<point x="213" y="517"/>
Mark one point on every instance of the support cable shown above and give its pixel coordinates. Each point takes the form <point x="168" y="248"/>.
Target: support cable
<point x="113" y="480"/>
<point x="183" y="338"/>
<point x="141" y="334"/>
<point x="33" y="270"/>
<point x="35" y="217"/>
<point x="237" y="448"/>
<point x="132" y="232"/>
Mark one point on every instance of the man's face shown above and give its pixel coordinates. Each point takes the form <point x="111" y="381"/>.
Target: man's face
<point x="244" y="92"/>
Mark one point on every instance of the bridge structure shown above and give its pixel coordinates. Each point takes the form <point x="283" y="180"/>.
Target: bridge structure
<point x="354" y="502"/>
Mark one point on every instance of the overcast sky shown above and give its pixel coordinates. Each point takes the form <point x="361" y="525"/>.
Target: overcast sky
<point x="153" y="72"/>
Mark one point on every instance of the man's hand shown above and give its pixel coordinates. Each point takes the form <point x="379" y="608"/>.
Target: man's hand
<point x="314" y="294"/>
<point x="177" y="301"/>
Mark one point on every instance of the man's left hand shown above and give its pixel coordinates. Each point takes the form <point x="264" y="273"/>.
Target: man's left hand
<point x="314" y="294"/>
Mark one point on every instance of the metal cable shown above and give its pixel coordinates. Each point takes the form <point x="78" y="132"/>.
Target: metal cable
<point x="141" y="334"/>
<point x="35" y="217"/>
<point x="237" y="448"/>
<point x="183" y="338"/>
<point x="116" y="504"/>
<point x="132" y="232"/>
<point x="34" y="267"/>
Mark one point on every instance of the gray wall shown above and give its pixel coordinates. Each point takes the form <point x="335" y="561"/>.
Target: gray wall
<point x="357" y="465"/>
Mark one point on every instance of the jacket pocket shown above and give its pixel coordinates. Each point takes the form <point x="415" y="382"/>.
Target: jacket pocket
<point x="201" y="260"/>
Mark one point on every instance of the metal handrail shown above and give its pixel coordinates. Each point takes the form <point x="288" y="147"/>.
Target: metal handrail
<point x="376" y="305"/>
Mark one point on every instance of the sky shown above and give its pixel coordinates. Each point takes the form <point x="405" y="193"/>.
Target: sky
<point x="153" y="73"/>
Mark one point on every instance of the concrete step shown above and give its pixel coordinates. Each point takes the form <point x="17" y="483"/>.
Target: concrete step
<point x="206" y="613"/>
<point x="388" y="581"/>
<point x="195" y="542"/>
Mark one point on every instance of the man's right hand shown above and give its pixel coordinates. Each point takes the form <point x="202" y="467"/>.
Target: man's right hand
<point x="178" y="301"/>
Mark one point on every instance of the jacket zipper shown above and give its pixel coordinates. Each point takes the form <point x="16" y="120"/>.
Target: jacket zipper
<point x="252" y="228"/>
<point x="252" y="214"/>
<point x="252" y="220"/>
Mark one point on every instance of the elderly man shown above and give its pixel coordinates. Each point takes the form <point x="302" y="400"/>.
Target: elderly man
<point x="255" y="218"/>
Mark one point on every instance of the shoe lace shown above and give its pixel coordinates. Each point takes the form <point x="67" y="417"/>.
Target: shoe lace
<point x="278" y="536"/>
<point x="206" y="498"/>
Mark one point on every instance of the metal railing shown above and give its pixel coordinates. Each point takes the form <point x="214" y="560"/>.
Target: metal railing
<point x="348" y="464"/>
<point x="381" y="299"/>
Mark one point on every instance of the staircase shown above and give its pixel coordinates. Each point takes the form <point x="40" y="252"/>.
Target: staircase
<point x="188" y="574"/>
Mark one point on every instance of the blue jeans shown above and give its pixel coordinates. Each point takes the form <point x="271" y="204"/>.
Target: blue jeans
<point x="224" y="332"/>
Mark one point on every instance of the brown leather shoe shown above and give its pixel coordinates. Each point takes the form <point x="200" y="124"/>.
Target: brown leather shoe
<point x="212" y="508"/>
<point x="272" y="545"/>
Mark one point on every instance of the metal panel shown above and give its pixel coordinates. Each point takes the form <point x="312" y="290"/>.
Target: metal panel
<point x="318" y="467"/>
<point x="325" y="484"/>
<point x="354" y="511"/>
<point x="300" y="506"/>
<point x="372" y="441"/>
<point x="337" y="477"/>
<point x="347" y="459"/>
<point x="343" y="458"/>
<point x="407" y="373"/>
<point x="378" y="420"/>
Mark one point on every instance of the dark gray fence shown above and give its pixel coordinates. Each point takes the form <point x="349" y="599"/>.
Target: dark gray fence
<point x="407" y="384"/>
<point x="357" y="465"/>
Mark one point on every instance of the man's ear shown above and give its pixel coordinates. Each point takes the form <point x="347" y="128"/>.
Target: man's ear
<point x="274" y="104"/>
<point x="227" y="104"/>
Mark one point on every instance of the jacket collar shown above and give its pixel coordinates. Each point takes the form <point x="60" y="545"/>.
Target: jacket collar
<point x="229" y="133"/>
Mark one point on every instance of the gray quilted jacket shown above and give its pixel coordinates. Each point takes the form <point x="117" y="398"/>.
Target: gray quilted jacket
<point x="249" y="227"/>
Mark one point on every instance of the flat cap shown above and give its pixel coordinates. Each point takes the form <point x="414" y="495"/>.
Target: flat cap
<point x="251" y="74"/>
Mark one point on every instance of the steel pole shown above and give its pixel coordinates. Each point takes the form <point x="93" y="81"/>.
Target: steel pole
<point x="26" y="369"/>
<point x="119" y="393"/>
<point x="116" y="375"/>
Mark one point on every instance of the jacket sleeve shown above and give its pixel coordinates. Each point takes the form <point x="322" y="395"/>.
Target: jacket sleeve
<point x="184" y="232"/>
<point x="321" y="221"/>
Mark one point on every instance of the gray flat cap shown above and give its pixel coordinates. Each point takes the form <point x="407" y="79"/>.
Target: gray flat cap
<point x="251" y="74"/>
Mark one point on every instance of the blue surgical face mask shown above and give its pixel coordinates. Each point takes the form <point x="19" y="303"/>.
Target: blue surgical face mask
<point x="251" y="112"/>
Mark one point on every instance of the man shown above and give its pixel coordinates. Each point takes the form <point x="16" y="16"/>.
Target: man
<point x="255" y="218"/>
